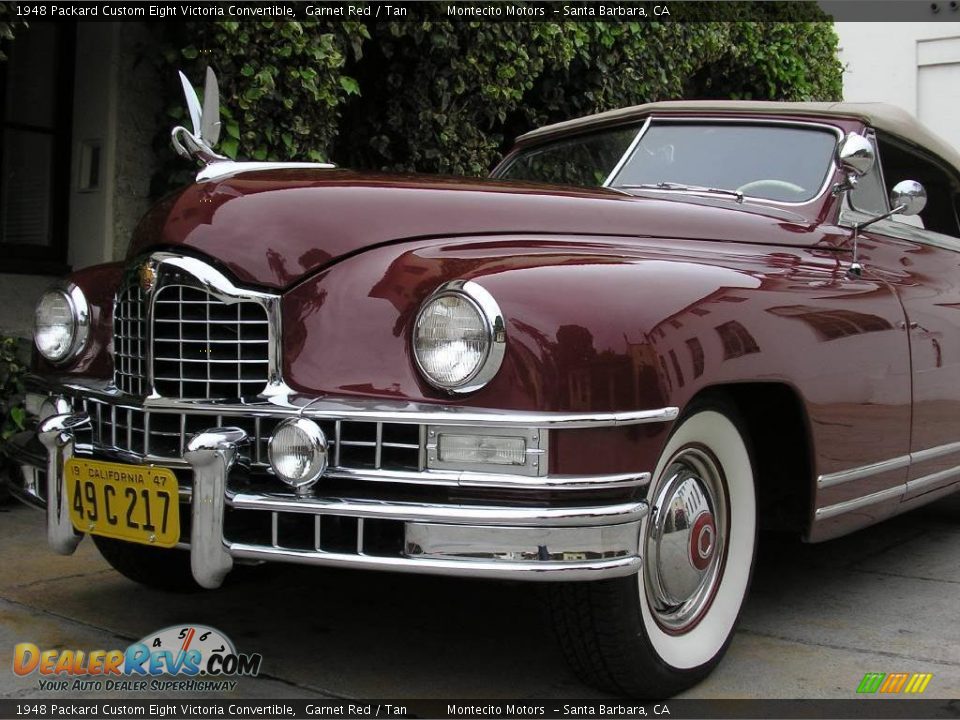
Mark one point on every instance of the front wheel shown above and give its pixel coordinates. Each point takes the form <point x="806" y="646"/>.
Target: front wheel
<point x="664" y="629"/>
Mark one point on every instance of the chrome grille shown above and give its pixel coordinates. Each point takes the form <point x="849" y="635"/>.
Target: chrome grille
<point x="204" y="348"/>
<point x="354" y="445"/>
<point x="130" y="341"/>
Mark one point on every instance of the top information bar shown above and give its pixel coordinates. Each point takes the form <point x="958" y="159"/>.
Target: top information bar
<point x="489" y="11"/>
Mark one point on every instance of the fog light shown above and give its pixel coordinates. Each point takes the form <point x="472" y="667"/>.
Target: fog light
<point x="486" y="449"/>
<point x="298" y="453"/>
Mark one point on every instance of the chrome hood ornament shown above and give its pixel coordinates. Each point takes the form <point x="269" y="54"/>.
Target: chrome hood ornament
<point x="198" y="145"/>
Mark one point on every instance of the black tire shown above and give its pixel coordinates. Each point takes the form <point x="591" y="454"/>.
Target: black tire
<point x="620" y="635"/>
<point x="157" y="568"/>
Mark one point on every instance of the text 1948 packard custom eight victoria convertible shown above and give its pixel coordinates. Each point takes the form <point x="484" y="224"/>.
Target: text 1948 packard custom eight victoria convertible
<point x="650" y="333"/>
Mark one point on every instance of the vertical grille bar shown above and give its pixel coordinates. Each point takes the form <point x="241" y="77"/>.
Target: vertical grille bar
<point x="129" y="346"/>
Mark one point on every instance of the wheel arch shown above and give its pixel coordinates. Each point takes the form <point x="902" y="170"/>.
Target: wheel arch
<point x="774" y="417"/>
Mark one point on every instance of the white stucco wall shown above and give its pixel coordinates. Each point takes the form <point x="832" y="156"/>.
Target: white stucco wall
<point x="913" y="65"/>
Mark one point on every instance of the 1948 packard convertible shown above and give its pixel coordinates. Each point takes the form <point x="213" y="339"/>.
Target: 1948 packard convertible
<point x="650" y="333"/>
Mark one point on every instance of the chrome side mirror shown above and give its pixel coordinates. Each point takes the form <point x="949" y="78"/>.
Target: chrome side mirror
<point x="856" y="155"/>
<point x="908" y="197"/>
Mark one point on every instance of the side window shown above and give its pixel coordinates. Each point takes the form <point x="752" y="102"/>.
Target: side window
<point x="902" y="162"/>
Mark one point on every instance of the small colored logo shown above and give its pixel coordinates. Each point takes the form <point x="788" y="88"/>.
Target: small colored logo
<point x="147" y="275"/>
<point x="184" y="650"/>
<point x="894" y="683"/>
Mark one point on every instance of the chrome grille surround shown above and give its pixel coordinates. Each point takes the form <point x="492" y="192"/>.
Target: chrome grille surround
<point x="194" y="334"/>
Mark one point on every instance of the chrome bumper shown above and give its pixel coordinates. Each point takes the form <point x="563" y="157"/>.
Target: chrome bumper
<point x="550" y="544"/>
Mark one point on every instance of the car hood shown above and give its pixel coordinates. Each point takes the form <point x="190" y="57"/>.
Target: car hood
<point x="275" y="227"/>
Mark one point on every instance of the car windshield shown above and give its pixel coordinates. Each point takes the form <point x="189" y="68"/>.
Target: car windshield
<point x="785" y="163"/>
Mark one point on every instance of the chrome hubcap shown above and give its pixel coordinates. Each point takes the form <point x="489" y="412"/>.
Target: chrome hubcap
<point x="685" y="540"/>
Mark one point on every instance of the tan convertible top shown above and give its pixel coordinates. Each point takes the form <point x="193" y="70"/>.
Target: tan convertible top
<point x="887" y="118"/>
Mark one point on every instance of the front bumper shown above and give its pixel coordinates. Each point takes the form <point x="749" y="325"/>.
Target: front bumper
<point x="573" y="542"/>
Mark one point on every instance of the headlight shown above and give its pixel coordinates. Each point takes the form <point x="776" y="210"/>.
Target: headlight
<point x="459" y="337"/>
<point x="61" y="323"/>
<point x="298" y="453"/>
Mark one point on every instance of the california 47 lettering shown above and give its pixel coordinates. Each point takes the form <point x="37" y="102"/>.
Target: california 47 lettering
<point x="193" y="651"/>
<point x="126" y="502"/>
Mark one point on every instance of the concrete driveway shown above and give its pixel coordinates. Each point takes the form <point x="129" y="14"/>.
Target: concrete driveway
<point x="820" y="616"/>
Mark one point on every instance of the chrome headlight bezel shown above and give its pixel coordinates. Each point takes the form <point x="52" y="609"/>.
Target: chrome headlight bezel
<point x="313" y="438"/>
<point x="80" y="323"/>
<point x="490" y="315"/>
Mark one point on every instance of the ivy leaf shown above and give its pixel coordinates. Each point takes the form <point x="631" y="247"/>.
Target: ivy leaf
<point x="229" y="145"/>
<point x="351" y="86"/>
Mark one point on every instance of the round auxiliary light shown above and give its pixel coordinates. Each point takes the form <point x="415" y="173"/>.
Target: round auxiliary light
<point x="61" y="323"/>
<point x="459" y="337"/>
<point x="298" y="452"/>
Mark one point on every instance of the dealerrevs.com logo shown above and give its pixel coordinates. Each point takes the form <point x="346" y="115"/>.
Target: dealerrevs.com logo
<point x="197" y="656"/>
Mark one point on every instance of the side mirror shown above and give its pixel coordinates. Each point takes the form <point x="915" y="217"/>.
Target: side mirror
<point x="856" y="155"/>
<point x="908" y="197"/>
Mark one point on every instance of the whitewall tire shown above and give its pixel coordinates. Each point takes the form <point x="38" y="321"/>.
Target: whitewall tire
<point x="663" y="630"/>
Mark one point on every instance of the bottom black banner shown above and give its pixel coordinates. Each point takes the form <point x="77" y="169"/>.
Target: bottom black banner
<point x="457" y="709"/>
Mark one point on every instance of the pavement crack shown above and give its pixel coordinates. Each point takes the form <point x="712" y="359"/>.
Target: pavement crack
<point x="894" y="544"/>
<point x="905" y="577"/>
<point x="67" y="618"/>
<point x="308" y="688"/>
<point x="41" y="581"/>
<point x="861" y="651"/>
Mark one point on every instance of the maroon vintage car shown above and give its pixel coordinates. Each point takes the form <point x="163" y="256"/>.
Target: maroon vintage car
<point x="649" y="334"/>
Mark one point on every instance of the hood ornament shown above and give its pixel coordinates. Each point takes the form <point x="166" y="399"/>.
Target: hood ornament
<point x="197" y="145"/>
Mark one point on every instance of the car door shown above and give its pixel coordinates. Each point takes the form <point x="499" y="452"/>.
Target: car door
<point x="928" y="284"/>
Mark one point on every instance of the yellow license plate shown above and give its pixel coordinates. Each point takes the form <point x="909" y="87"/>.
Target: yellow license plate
<point x="138" y="503"/>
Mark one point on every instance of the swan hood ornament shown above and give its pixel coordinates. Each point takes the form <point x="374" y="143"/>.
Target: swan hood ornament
<point x="198" y="145"/>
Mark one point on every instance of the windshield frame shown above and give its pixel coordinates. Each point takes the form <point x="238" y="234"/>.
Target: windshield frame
<point x="690" y="119"/>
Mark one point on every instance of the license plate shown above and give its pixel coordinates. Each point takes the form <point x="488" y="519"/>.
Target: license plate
<point x="138" y="503"/>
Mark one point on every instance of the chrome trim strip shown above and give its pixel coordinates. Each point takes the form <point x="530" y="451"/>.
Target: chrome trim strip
<point x="901" y="461"/>
<point x="935" y="452"/>
<point x="448" y="514"/>
<point x="520" y="570"/>
<point x="477" y="542"/>
<point x="931" y="479"/>
<point x="858" y="473"/>
<point x="627" y="154"/>
<point x="225" y="168"/>
<point x="287" y="404"/>
<point x="494" y="480"/>
<point x="846" y="506"/>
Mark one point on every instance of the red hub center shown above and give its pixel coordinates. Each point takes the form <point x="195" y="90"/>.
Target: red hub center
<point x="702" y="540"/>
